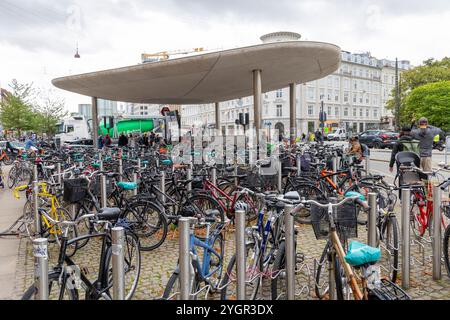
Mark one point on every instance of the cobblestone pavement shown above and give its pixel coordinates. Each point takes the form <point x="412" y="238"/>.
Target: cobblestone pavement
<point x="158" y="265"/>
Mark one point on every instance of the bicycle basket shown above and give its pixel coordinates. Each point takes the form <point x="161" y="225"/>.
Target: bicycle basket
<point x="409" y="177"/>
<point x="388" y="291"/>
<point x="75" y="190"/>
<point x="345" y="221"/>
<point x="197" y="183"/>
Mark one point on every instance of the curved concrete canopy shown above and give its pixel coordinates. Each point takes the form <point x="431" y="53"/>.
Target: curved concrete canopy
<point x="210" y="77"/>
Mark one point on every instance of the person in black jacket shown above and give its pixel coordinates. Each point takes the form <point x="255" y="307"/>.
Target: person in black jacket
<point x="123" y="140"/>
<point x="404" y="143"/>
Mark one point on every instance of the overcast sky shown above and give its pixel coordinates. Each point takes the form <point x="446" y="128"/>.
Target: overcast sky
<point x="38" y="38"/>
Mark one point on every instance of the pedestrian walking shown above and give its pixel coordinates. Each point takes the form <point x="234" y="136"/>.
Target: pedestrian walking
<point x="123" y="140"/>
<point x="425" y="133"/>
<point x="108" y="141"/>
<point x="406" y="142"/>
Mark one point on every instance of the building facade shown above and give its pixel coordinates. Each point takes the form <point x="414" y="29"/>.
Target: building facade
<point x="354" y="97"/>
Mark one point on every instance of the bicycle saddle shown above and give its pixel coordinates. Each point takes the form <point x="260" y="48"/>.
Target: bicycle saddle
<point x="127" y="185"/>
<point x="359" y="254"/>
<point x="109" y="214"/>
<point x="292" y="195"/>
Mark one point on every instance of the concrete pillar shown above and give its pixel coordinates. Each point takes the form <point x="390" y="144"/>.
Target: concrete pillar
<point x="217" y="109"/>
<point x="95" y="122"/>
<point x="257" y="103"/>
<point x="292" y="113"/>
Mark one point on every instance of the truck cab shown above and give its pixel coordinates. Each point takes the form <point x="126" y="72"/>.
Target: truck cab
<point x="73" y="128"/>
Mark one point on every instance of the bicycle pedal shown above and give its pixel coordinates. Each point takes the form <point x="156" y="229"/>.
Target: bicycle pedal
<point x="299" y="257"/>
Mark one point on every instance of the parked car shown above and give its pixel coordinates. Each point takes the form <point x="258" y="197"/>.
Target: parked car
<point x="378" y="139"/>
<point x="338" y="134"/>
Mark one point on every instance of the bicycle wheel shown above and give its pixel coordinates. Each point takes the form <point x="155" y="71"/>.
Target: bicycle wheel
<point x="12" y="177"/>
<point x="132" y="265"/>
<point x="446" y="248"/>
<point x="309" y="192"/>
<point x="172" y="289"/>
<point x="198" y="205"/>
<point x="417" y="206"/>
<point x="391" y="242"/>
<point x="148" y="223"/>
<point x="57" y="290"/>
<point x="321" y="287"/>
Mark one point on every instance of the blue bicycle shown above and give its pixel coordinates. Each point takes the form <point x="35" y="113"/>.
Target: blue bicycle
<point x="207" y="259"/>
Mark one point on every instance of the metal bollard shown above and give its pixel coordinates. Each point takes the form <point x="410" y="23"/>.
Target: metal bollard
<point x="103" y="195"/>
<point x="372" y="221"/>
<point x="406" y="256"/>
<point x="280" y="175"/>
<point x="299" y="165"/>
<point x="240" y="254"/>
<point x="367" y="165"/>
<point x="334" y="164"/>
<point x="236" y="180"/>
<point x="135" y="180"/>
<point x="118" y="262"/>
<point x="290" y="252"/>
<point x="185" y="258"/>
<point x="58" y="171"/>
<point x="214" y="175"/>
<point x="189" y="177"/>
<point x="120" y="169"/>
<point x="37" y="218"/>
<point x="40" y="254"/>
<point x="163" y="186"/>
<point x="436" y="246"/>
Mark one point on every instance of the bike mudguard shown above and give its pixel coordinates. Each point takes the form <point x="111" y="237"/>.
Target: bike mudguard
<point x="359" y="254"/>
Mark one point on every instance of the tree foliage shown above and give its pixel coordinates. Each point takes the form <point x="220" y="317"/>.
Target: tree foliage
<point x="430" y="71"/>
<point x="431" y="101"/>
<point x="24" y="109"/>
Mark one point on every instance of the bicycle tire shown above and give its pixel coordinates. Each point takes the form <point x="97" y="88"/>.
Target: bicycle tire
<point x="392" y="221"/>
<point x="446" y="247"/>
<point x="322" y="262"/>
<point x="52" y="278"/>
<point x="171" y="284"/>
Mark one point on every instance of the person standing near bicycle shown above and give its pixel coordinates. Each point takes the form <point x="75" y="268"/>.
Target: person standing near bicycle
<point x="406" y="142"/>
<point x="425" y="134"/>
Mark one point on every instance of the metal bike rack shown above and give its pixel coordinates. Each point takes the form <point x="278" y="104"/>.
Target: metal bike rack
<point x="103" y="193"/>
<point x="280" y="175"/>
<point x="372" y="220"/>
<point x="436" y="244"/>
<point x="367" y="165"/>
<point x="240" y="255"/>
<point x="163" y="186"/>
<point x="334" y="162"/>
<point x="40" y="254"/>
<point x="37" y="219"/>
<point x="299" y="165"/>
<point x="118" y="262"/>
<point x="189" y="177"/>
<point x="120" y="168"/>
<point x="184" y="253"/>
<point x="406" y="253"/>
<point x="290" y="251"/>
<point x="58" y="170"/>
<point x="214" y="175"/>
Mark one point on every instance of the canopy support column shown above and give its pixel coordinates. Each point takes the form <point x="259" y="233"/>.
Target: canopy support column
<point x="217" y="109"/>
<point x="257" y="92"/>
<point x="95" y="122"/>
<point x="292" y="112"/>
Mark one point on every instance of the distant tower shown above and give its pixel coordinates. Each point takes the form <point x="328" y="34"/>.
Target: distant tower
<point x="280" y="36"/>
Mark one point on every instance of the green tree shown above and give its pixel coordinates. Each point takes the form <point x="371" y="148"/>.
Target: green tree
<point x="429" y="72"/>
<point x="431" y="101"/>
<point x="48" y="113"/>
<point x="16" y="111"/>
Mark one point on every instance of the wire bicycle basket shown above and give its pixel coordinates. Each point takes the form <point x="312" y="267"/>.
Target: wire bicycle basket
<point x="345" y="220"/>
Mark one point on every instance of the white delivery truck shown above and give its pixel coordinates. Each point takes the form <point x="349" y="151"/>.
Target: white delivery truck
<point x="73" y="128"/>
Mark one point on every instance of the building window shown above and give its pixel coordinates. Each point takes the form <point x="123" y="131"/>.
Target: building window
<point x="354" y="112"/>
<point x="360" y="98"/>
<point x="322" y="94"/>
<point x="345" y="112"/>
<point x="279" y="93"/>
<point x="375" y="113"/>
<point x="279" y="110"/>
<point x="329" y="93"/>
<point x="355" y="84"/>
<point x="336" y="95"/>
<point x="367" y="113"/>
<point x="346" y="84"/>
<point x="311" y="93"/>
<point x="329" y="110"/>
<point x="310" y="110"/>
<point x="360" y="112"/>
<point x="266" y="109"/>
<point x="345" y="96"/>
<point x="336" y="111"/>
<point x="329" y="81"/>
<point x="336" y="82"/>
<point x="354" y="97"/>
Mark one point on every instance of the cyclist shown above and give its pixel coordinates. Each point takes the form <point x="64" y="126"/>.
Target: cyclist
<point x="355" y="148"/>
<point x="425" y="134"/>
<point x="406" y="142"/>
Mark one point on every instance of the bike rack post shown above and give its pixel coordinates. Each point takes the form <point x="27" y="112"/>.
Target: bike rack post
<point x="367" y="165"/>
<point x="240" y="254"/>
<point x="406" y="254"/>
<point x="290" y="251"/>
<point x="331" y="264"/>
<point x="163" y="186"/>
<point x="334" y="163"/>
<point x="58" y="170"/>
<point x="118" y="262"/>
<point x="120" y="167"/>
<point x="280" y="175"/>
<point x="236" y="182"/>
<point x="372" y="220"/>
<point x="37" y="219"/>
<point x="135" y="180"/>
<point x="189" y="177"/>
<point x="437" y="218"/>
<point x="214" y="175"/>
<point x="184" y="253"/>
<point x="40" y="254"/>
<point x="103" y="192"/>
<point x="299" y="165"/>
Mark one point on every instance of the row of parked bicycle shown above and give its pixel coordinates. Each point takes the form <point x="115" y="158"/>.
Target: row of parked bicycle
<point x="82" y="195"/>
